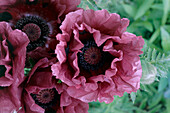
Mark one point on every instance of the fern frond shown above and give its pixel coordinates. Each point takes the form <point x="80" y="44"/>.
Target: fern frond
<point x="157" y="58"/>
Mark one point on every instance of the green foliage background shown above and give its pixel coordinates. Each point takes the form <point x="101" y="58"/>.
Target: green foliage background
<point x="150" y="19"/>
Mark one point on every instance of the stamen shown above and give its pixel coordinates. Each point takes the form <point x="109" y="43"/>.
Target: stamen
<point x="33" y="31"/>
<point x="47" y="98"/>
<point x="92" y="57"/>
<point x="36" y="28"/>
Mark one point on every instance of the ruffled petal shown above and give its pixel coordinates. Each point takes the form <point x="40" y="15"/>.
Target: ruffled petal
<point x="12" y="54"/>
<point x="122" y="71"/>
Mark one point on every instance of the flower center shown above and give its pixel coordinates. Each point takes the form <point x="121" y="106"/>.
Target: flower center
<point x="33" y="31"/>
<point x="36" y="29"/>
<point x="92" y="57"/>
<point x="46" y="98"/>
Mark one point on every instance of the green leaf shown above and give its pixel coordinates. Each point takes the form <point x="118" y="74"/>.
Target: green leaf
<point x="146" y="24"/>
<point x="86" y="5"/>
<point x="156" y="23"/>
<point x="154" y="36"/>
<point x="133" y="96"/>
<point x="129" y="9"/>
<point x="165" y="39"/>
<point x="167" y="105"/>
<point x="149" y="54"/>
<point x="155" y="109"/>
<point x="143" y="87"/>
<point x="149" y="72"/>
<point x="167" y="28"/>
<point x="59" y="81"/>
<point x="32" y="62"/>
<point x="131" y="27"/>
<point x="26" y="71"/>
<point x="143" y="8"/>
<point x="93" y="3"/>
<point x="89" y="5"/>
<point x="155" y="100"/>
<point x="162" y="84"/>
<point x="153" y="57"/>
<point x="157" y="6"/>
<point x="166" y="5"/>
<point x="152" y="88"/>
<point x="167" y="93"/>
<point x="162" y="69"/>
<point x="143" y="103"/>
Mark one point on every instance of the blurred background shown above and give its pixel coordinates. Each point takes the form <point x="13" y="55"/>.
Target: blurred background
<point x="151" y="20"/>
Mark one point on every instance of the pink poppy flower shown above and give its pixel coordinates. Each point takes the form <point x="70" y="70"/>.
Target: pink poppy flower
<point x="39" y="19"/>
<point x="43" y="93"/>
<point x="12" y="54"/>
<point x="97" y="59"/>
<point x="12" y="61"/>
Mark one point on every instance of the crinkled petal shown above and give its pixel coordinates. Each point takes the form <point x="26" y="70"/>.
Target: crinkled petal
<point x="120" y="74"/>
<point x="7" y="106"/>
<point x="12" y="54"/>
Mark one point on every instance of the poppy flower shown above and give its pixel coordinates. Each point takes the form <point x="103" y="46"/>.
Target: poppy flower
<point x="97" y="59"/>
<point x="44" y="94"/>
<point x="12" y="61"/>
<point x="12" y="54"/>
<point x="39" y="19"/>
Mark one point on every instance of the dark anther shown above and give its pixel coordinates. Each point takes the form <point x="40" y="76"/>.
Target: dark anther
<point x="92" y="57"/>
<point x="46" y="98"/>
<point x="36" y="29"/>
